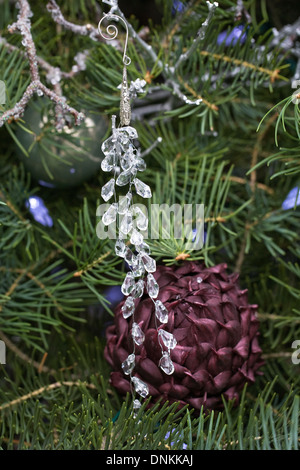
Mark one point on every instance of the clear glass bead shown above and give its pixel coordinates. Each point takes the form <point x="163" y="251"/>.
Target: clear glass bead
<point x="139" y="289"/>
<point x="136" y="237"/>
<point x="141" y="218"/>
<point x="128" y="364"/>
<point x="136" y="405"/>
<point x="143" y="248"/>
<point x="126" y="223"/>
<point x="107" y="164"/>
<point x="108" y="146"/>
<point x="130" y="258"/>
<point x="128" y="307"/>
<point x="124" y="178"/>
<point x="166" y="364"/>
<point x="124" y="203"/>
<point x="140" y="387"/>
<point x="120" y="248"/>
<point x="137" y="334"/>
<point x="127" y="131"/>
<point x="149" y="263"/>
<point x="152" y="286"/>
<point x="111" y="214"/>
<point x="128" y="285"/>
<point x="140" y="164"/>
<point x="139" y="269"/>
<point x="161" y="312"/>
<point x="142" y="189"/>
<point x="167" y="338"/>
<point x="108" y="189"/>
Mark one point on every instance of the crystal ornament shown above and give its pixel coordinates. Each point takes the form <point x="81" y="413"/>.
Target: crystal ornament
<point x="167" y="338"/>
<point x="124" y="178"/>
<point x="120" y="248"/>
<point x="136" y="405"/>
<point x="128" y="285"/>
<point x="137" y="334"/>
<point x="107" y="163"/>
<point x="152" y="286"/>
<point x="124" y="161"/>
<point x="142" y="189"/>
<point x="149" y="263"/>
<point x="140" y="387"/>
<point x="130" y="258"/>
<point x="161" y="312"/>
<point x="141" y="218"/>
<point x="111" y="214"/>
<point x="136" y="237"/>
<point x="139" y="289"/>
<point x="131" y="132"/>
<point x="126" y="223"/>
<point x="108" y="190"/>
<point x="128" y="307"/>
<point x="166" y="364"/>
<point x="138" y="270"/>
<point x="143" y="248"/>
<point x="128" y="364"/>
<point x="124" y="203"/>
<point x="139" y="164"/>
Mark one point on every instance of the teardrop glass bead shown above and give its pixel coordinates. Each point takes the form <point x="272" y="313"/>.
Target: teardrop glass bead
<point x="152" y="286"/>
<point x="128" y="364"/>
<point x="128" y="307"/>
<point x="137" y="334"/>
<point x="108" y="189"/>
<point x="166" y="364"/>
<point x="140" y="387"/>
<point x="142" y="189"/>
<point x="128" y="285"/>
<point x="161" y="312"/>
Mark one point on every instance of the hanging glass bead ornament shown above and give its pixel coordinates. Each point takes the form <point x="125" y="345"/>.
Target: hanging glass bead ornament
<point x="124" y="161"/>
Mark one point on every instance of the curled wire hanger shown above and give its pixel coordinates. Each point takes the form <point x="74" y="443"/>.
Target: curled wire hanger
<point x="113" y="32"/>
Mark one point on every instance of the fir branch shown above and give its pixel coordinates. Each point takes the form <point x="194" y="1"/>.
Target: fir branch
<point x="273" y="74"/>
<point x="200" y="36"/>
<point x="199" y="99"/>
<point x="24" y="357"/>
<point x="44" y="389"/>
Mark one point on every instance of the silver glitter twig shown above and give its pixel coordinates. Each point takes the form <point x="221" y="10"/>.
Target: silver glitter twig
<point x="23" y="25"/>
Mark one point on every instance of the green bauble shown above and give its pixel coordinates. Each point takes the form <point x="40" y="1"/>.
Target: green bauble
<point x="59" y="159"/>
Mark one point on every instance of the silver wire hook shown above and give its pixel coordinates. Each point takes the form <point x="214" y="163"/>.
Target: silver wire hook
<point x="113" y="32"/>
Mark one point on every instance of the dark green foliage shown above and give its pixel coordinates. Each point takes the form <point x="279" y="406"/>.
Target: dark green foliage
<point x="232" y="153"/>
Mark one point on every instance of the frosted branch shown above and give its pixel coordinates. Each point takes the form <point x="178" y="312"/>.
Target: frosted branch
<point x="82" y="30"/>
<point x="23" y="25"/>
<point x="200" y="35"/>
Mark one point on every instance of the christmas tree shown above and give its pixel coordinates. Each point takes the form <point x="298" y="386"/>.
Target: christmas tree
<point x="215" y="92"/>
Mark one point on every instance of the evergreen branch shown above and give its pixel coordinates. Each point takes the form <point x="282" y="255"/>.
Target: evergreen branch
<point x="273" y="74"/>
<point x="12" y="207"/>
<point x="256" y="151"/>
<point x="92" y="265"/>
<point x="44" y="389"/>
<point x="200" y="35"/>
<point x="262" y="186"/>
<point x="199" y="98"/>
<point x="24" y="357"/>
<point x="253" y="184"/>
